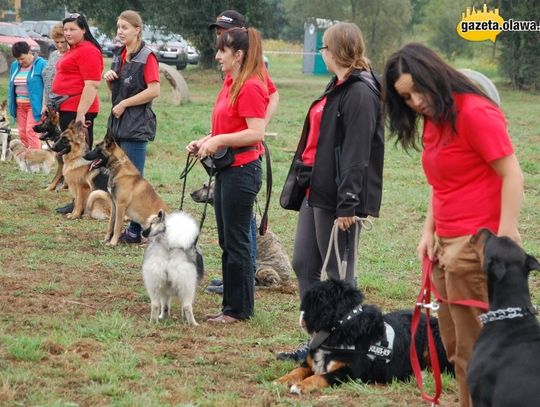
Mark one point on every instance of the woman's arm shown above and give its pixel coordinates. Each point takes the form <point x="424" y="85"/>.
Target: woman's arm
<point x="427" y="241"/>
<point x="147" y="95"/>
<point x="87" y="98"/>
<point x="253" y="134"/>
<point x="272" y="107"/>
<point x="511" y="195"/>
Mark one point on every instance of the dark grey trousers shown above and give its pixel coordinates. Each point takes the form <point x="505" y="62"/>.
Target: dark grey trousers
<point x="311" y="243"/>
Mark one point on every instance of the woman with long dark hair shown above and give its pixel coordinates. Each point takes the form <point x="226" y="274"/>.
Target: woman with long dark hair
<point x="78" y="75"/>
<point x="475" y="180"/>
<point x="77" y="79"/>
<point x="237" y="123"/>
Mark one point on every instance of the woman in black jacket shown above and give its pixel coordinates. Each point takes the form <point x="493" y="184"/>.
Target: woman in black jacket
<point x="339" y="160"/>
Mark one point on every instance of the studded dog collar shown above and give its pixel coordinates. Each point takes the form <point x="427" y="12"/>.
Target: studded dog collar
<point x="507" y="313"/>
<point x="321" y="336"/>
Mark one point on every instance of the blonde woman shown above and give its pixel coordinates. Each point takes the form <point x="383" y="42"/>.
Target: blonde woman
<point x="340" y="156"/>
<point x="238" y="122"/>
<point x="134" y="83"/>
<point x="57" y="35"/>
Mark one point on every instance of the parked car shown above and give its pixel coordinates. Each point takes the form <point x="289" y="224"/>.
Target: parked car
<point x="169" y="48"/>
<point x="108" y="45"/>
<point x="11" y="33"/>
<point x="192" y="54"/>
<point x="46" y="44"/>
<point x="44" y="27"/>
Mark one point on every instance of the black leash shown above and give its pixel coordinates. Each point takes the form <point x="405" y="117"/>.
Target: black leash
<point x="264" y="219"/>
<point x="190" y="163"/>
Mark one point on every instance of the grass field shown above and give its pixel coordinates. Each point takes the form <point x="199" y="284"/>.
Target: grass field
<point x="74" y="314"/>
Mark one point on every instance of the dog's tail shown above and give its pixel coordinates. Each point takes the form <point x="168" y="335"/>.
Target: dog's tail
<point x="182" y="230"/>
<point x="98" y="205"/>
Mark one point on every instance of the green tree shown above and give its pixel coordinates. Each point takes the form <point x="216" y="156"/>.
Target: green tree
<point x="520" y="51"/>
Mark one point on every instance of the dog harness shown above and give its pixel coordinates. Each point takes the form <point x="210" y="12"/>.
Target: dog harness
<point x="379" y="350"/>
<point x="507" y="313"/>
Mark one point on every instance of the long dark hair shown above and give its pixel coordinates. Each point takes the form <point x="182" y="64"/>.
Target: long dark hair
<point x="79" y="19"/>
<point x="249" y="41"/>
<point x="431" y="76"/>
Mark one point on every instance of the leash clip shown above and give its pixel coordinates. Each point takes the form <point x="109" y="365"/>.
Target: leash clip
<point x="433" y="305"/>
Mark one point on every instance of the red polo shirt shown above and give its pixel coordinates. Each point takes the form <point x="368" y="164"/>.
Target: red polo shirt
<point x="81" y="62"/>
<point x="151" y="68"/>
<point x="466" y="189"/>
<point x="251" y="102"/>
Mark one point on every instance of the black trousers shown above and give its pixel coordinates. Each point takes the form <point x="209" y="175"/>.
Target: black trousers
<point x="68" y="117"/>
<point x="234" y="195"/>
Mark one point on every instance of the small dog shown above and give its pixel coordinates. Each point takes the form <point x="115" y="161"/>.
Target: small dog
<point x="504" y="369"/>
<point x="31" y="160"/>
<point x="355" y="341"/>
<point x="130" y="193"/>
<point x="170" y="264"/>
<point x="50" y="133"/>
<point x="273" y="266"/>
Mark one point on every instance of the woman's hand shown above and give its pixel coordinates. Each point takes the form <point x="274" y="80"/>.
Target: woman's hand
<point x="194" y="146"/>
<point x="110" y="75"/>
<point x="209" y="147"/>
<point x="118" y="110"/>
<point x="426" y="247"/>
<point x="345" y="222"/>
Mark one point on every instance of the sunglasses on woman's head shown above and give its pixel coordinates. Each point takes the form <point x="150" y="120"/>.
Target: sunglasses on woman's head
<point x="73" y="15"/>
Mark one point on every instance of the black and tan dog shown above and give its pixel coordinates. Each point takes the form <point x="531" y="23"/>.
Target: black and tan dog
<point x="76" y="170"/>
<point x="353" y="341"/>
<point x="49" y="130"/>
<point x="504" y="369"/>
<point x="131" y="195"/>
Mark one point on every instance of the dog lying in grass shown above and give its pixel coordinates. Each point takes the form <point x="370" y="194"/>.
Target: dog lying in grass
<point x="354" y="341"/>
<point x="504" y="369"/>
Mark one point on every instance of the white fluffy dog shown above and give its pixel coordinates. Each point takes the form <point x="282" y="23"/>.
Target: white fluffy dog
<point x="169" y="265"/>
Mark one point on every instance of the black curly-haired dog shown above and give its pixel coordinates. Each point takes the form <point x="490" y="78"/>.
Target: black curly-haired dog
<point x="504" y="369"/>
<point x="355" y="341"/>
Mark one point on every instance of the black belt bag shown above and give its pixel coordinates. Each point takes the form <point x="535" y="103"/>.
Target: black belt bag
<point x="223" y="158"/>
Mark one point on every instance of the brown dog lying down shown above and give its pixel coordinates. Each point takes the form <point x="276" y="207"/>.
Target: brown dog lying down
<point x="273" y="265"/>
<point x="31" y="160"/>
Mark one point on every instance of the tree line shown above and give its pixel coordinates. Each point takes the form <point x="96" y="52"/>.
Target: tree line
<point x="386" y="24"/>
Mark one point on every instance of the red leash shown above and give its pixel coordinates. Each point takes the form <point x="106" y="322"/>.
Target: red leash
<point x="424" y="302"/>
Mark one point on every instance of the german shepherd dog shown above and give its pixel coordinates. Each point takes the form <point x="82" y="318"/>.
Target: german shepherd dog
<point x="130" y="193"/>
<point x="50" y="133"/>
<point x="76" y="170"/>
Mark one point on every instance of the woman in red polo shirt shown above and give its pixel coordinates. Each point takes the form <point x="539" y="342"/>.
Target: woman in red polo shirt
<point x="237" y="123"/>
<point x="78" y="75"/>
<point x="474" y="176"/>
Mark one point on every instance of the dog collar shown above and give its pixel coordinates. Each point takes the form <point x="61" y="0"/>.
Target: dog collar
<point x="321" y="336"/>
<point x="507" y="313"/>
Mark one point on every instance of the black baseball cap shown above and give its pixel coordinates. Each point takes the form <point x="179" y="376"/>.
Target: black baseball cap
<point x="229" y="19"/>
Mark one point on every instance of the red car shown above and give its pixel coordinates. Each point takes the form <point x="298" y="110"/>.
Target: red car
<point x="11" y="33"/>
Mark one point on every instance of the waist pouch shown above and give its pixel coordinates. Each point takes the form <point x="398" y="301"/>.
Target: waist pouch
<point x="223" y="158"/>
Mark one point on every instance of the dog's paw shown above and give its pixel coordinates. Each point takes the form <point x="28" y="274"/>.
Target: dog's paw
<point x="295" y="389"/>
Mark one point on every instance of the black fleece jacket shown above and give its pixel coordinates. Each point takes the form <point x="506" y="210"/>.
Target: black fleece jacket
<point x="348" y="169"/>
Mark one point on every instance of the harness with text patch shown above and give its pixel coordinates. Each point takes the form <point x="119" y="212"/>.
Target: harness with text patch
<point x="379" y="351"/>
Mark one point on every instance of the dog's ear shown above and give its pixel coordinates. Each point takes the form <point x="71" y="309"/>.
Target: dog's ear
<point x="532" y="263"/>
<point x="3" y="105"/>
<point x="161" y="215"/>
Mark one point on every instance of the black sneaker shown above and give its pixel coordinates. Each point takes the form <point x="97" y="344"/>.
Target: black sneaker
<point x="298" y="355"/>
<point x="66" y="208"/>
<point x="127" y="237"/>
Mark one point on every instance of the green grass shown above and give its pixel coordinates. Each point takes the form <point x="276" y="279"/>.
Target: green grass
<point x="74" y="326"/>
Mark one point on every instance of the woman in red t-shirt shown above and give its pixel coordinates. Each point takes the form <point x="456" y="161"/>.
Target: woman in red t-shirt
<point x="475" y="182"/>
<point x="237" y="123"/>
<point x="78" y="75"/>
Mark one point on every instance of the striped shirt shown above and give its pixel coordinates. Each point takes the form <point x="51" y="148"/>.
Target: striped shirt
<point x="21" y="88"/>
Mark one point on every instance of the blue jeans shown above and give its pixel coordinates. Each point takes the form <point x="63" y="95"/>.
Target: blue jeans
<point x="136" y="152"/>
<point x="234" y="195"/>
